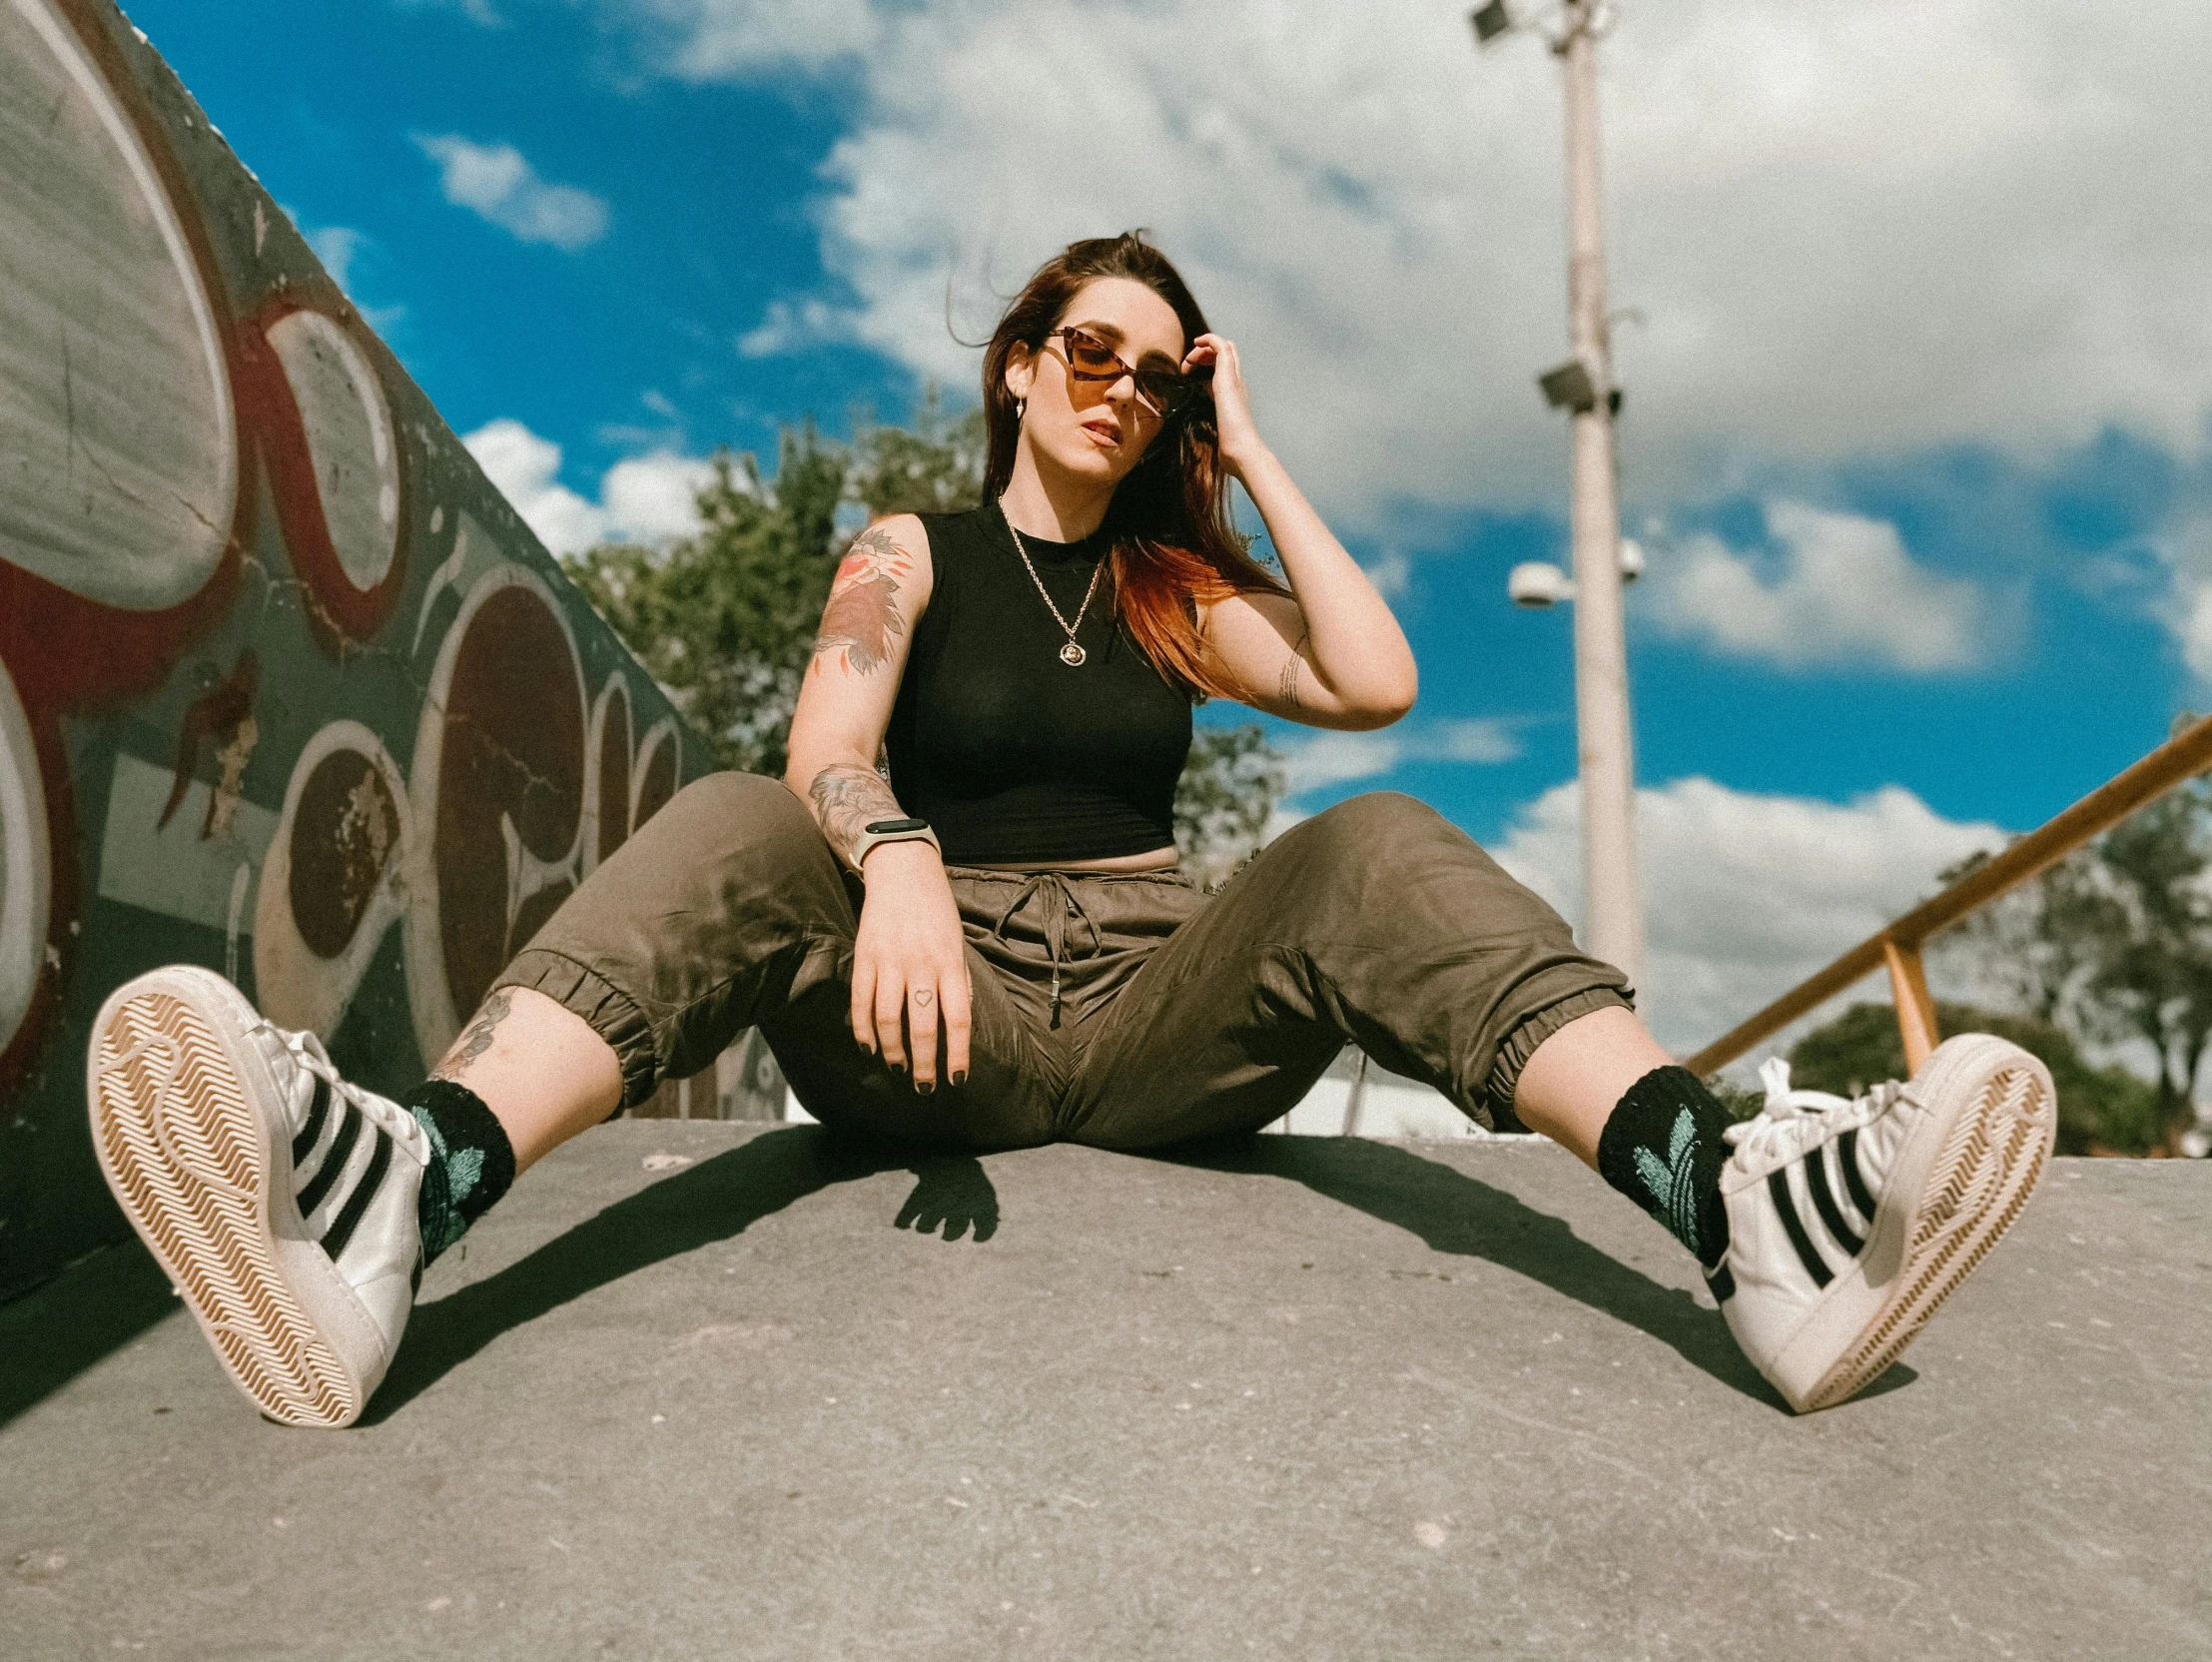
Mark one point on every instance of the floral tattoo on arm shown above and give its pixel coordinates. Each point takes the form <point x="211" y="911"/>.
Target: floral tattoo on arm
<point x="862" y="618"/>
<point x="847" y="800"/>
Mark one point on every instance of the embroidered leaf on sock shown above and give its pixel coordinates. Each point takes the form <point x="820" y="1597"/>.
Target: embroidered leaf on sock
<point x="462" y="1172"/>
<point x="450" y="1227"/>
<point x="1673" y="1184"/>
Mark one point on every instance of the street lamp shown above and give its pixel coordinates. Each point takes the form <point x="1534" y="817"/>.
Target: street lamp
<point x="1538" y="584"/>
<point x="1490" y="21"/>
<point x="1584" y="387"/>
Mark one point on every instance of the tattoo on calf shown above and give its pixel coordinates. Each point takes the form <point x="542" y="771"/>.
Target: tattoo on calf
<point x="847" y="800"/>
<point x="862" y="618"/>
<point x="478" y="1039"/>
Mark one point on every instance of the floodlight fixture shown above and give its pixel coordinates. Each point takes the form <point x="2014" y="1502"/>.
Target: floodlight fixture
<point x="1490" y="22"/>
<point x="1538" y="584"/>
<point x="1631" y="559"/>
<point x="1569" y="386"/>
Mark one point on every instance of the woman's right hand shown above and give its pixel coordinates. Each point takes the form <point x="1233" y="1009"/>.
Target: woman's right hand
<point x="910" y="965"/>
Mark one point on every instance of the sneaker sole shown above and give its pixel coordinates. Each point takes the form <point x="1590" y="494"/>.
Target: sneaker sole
<point x="190" y="1162"/>
<point x="1985" y="1164"/>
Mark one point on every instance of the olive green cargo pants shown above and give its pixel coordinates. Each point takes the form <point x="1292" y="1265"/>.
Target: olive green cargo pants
<point x="1125" y="1011"/>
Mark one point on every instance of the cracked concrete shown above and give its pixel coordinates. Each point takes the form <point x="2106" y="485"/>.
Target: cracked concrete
<point x="695" y="1390"/>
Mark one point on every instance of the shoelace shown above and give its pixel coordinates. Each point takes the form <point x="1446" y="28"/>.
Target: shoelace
<point x="1055" y="887"/>
<point x="387" y="1116"/>
<point x="1793" y="1120"/>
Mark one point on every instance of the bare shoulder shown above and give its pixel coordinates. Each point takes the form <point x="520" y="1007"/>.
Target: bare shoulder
<point x="882" y="587"/>
<point x="898" y="543"/>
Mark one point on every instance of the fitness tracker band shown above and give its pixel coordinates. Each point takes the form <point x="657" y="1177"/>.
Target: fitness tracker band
<point x="892" y="831"/>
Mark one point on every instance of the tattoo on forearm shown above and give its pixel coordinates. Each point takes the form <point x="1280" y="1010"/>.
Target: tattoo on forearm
<point x="478" y="1039"/>
<point x="847" y="800"/>
<point x="1289" y="685"/>
<point x="862" y="618"/>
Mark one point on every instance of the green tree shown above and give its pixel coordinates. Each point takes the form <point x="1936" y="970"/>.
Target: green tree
<point x="2100" y="1110"/>
<point x="724" y="620"/>
<point x="2113" y="945"/>
<point x="935" y="467"/>
<point x="1223" y="799"/>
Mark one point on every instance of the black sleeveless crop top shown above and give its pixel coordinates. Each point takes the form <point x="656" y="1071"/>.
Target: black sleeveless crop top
<point x="1013" y="755"/>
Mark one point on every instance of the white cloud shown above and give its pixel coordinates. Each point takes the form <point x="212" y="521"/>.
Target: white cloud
<point x="1843" y="590"/>
<point x="496" y="182"/>
<point x="1331" y="758"/>
<point x="1746" y="895"/>
<point x="712" y="40"/>
<point x="339" y="248"/>
<point x="785" y="328"/>
<point x="1392" y="575"/>
<point x="2185" y="545"/>
<point x="1860" y="227"/>
<point x="645" y="498"/>
<point x="480" y="12"/>
<point x="335" y="245"/>
<point x="1483" y="741"/>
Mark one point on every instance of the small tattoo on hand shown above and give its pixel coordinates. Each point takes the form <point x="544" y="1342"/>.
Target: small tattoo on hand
<point x="922" y="997"/>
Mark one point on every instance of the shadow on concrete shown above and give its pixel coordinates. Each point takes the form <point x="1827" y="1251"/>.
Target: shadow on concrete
<point x="1454" y="1212"/>
<point x="91" y="1310"/>
<point x="711" y="1201"/>
<point x="951" y="1195"/>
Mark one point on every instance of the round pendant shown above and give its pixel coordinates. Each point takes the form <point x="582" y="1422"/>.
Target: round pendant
<point x="1072" y="655"/>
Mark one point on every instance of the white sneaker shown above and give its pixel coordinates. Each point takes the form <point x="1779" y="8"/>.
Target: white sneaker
<point x="280" y="1198"/>
<point x="1850" y="1221"/>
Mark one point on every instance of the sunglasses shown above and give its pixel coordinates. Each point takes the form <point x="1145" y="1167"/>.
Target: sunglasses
<point x="1165" y="392"/>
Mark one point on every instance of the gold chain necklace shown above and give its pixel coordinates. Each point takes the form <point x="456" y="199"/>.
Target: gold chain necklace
<point x="1071" y="655"/>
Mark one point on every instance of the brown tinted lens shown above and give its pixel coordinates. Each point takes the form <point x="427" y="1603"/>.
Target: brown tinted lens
<point x="1168" y="391"/>
<point x="1092" y="356"/>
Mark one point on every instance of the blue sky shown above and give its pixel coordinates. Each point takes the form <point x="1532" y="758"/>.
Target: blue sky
<point x="1917" y="384"/>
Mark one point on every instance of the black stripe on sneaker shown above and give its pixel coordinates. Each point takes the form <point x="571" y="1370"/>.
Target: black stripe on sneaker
<point x="1722" y="1284"/>
<point x="1846" y="1156"/>
<point x="350" y="1216"/>
<point x="317" y="1112"/>
<point x="1823" y="1202"/>
<point x="332" y="1162"/>
<point x="1778" y="1186"/>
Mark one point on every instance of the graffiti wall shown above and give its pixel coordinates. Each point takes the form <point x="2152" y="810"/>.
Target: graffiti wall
<point x="285" y="688"/>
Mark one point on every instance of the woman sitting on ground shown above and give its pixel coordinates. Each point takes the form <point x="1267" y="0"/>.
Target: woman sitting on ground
<point x="994" y="947"/>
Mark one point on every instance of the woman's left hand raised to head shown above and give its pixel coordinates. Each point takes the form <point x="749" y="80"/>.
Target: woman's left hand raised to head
<point x="1233" y="405"/>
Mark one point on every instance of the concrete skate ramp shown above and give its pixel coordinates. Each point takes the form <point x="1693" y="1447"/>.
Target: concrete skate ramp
<point x="693" y="1393"/>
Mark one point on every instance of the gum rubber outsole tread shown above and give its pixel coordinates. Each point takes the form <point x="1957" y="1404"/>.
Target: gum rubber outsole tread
<point x="1978" y="1183"/>
<point x="187" y="1158"/>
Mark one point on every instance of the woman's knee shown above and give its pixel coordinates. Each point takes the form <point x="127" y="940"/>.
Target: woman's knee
<point x="735" y="815"/>
<point x="1379" y="825"/>
<point x="738" y="798"/>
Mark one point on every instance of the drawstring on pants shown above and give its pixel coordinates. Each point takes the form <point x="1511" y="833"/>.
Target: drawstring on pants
<point x="1061" y="904"/>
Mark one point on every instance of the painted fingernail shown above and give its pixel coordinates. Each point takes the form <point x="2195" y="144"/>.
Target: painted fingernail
<point x="925" y="1085"/>
<point x="961" y="1078"/>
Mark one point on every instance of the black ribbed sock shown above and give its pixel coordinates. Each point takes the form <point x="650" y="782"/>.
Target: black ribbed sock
<point x="472" y="1160"/>
<point x="1663" y="1149"/>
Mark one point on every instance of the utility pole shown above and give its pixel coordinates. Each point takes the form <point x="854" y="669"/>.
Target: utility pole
<point x="1583" y="387"/>
<point x="1601" y="731"/>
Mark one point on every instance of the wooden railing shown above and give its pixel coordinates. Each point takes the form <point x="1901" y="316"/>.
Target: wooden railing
<point x="1897" y="948"/>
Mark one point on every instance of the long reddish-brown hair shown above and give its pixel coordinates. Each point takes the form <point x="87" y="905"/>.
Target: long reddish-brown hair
<point x="1174" y="543"/>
